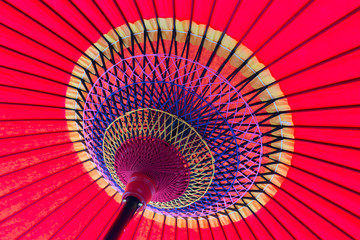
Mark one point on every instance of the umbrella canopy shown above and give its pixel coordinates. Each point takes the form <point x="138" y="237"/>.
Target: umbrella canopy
<point x="264" y="93"/>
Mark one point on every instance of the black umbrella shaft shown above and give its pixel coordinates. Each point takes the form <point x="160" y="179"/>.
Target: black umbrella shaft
<point x="126" y="213"/>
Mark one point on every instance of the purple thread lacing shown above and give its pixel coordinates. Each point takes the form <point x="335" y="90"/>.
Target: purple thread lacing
<point x="208" y="103"/>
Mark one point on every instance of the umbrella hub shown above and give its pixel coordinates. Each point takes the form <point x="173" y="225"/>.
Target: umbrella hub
<point x="151" y="169"/>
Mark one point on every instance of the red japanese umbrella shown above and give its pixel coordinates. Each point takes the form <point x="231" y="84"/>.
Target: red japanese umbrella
<point x="183" y="119"/>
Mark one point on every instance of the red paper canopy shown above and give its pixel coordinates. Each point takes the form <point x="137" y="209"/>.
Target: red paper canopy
<point x="307" y="53"/>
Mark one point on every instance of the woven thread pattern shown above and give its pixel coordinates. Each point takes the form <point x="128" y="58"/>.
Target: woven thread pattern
<point x="194" y="93"/>
<point x="185" y="141"/>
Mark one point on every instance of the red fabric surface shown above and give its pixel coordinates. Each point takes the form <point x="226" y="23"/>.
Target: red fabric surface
<point x="42" y="178"/>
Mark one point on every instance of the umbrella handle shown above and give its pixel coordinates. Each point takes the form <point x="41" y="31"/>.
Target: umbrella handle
<point x="127" y="212"/>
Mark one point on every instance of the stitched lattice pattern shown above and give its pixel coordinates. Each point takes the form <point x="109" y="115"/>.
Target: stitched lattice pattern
<point x="159" y="125"/>
<point x="194" y="93"/>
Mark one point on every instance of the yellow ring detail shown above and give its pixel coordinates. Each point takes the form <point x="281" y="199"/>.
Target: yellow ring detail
<point x="192" y="146"/>
<point x="197" y="31"/>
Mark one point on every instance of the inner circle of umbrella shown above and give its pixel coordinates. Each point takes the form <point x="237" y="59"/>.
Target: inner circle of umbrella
<point x="269" y="90"/>
<point x="187" y="143"/>
<point x="211" y="106"/>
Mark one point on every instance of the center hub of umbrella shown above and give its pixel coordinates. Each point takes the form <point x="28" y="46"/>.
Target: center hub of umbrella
<point x="151" y="169"/>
